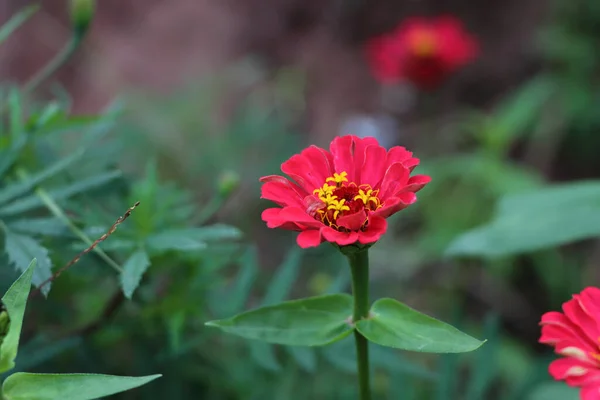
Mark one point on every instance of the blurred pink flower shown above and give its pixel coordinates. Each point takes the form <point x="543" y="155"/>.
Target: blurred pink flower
<point x="575" y="335"/>
<point x="422" y="51"/>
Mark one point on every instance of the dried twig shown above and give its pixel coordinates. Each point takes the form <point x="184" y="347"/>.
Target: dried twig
<point x="102" y="238"/>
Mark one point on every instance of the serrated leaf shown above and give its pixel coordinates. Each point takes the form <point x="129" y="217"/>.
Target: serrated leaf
<point x="33" y="201"/>
<point x="16" y="21"/>
<point x="393" y="324"/>
<point x="50" y="226"/>
<point x="528" y="222"/>
<point x="21" y="249"/>
<point x="18" y="189"/>
<point x="314" y="321"/>
<point x="15" y="301"/>
<point x="26" y="386"/>
<point x="133" y="270"/>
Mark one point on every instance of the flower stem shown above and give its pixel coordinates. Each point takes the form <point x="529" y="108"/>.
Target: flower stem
<point x="359" y="265"/>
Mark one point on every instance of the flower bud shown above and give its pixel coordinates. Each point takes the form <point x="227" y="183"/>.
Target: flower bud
<point x="228" y="182"/>
<point x="82" y="13"/>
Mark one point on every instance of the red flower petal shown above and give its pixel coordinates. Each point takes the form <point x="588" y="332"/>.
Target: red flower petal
<point x="299" y="216"/>
<point x="282" y="192"/>
<point x="590" y="392"/>
<point x="354" y="221"/>
<point x="416" y="183"/>
<point x="340" y="238"/>
<point x="309" y="238"/>
<point x="309" y="168"/>
<point x="377" y="227"/>
<point x="394" y="204"/>
<point x="349" y="154"/>
<point x="395" y="178"/>
<point x="585" y="325"/>
<point x="273" y="220"/>
<point x="374" y="165"/>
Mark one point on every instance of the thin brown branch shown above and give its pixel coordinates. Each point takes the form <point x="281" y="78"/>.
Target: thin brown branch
<point x="76" y="259"/>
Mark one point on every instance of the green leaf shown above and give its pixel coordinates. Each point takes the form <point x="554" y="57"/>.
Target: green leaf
<point x="394" y="324"/>
<point x="13" y="191"/>
<point x="9" y="156"/>
<point x="279" y="287"/>
<point x="133" y="270"/>
<point x="305" y="357"/>
<point x="554" y="391"/>
<point x="25" y="386"/>
<point x="173" y="240"/>
<point x="63" y="193"/>
<point x="15" y="301"/>
<point x="213" y="233"/>
<point x="314" y="321"/>
<point x="16" y="21"/>
<point x="263" y="354"/>
<point x="21" y="249"/>
<point x="528" y="222"/>
<point x="50" y="226"/>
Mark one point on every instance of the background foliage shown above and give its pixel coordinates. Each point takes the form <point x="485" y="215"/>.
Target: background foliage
<point x="507" y="230"/>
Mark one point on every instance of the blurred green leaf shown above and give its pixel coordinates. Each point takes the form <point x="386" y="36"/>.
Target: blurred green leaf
<point x="133" y="270"/>
<point x="9" y="156"/>
<point x="554" y="391"/>
<point x="314" y="321"/>
<point x="173" y="240"/>
<point x="16" y="114"/>
<point x="50" y="226"/>
<point x="263" y="354"/>
<point x="280" y="285"/>
<point x="396" y="325"/>
<point x="15" y="190"/>
<point x="15" y="301"/>
<point x="485" y="364"/>
<point x="213" y="233"/>
<point x="548" y="217"/>
<point x="305" y="357"/>
<point x="16" y="21"/>
<point x="60" y="194"/>
<point x="239" y="292"/>
<point x="21" y="249"/>
<point x="25" y="386"/>
<point x="521" y="109"/>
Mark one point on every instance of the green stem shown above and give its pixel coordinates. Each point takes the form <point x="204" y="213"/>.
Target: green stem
<point x="359" y="265"/>
<point x="59" y="59"/>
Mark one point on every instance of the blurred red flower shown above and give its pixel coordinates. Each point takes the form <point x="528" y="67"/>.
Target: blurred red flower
<point x="575" y="334"/>
<point x="343" y="195"/>
<point x="422" y="51"/>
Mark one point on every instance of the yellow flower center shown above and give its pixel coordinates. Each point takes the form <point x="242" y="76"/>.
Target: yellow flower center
<point x="423" y="43"/>
<point x="340" y="197"/>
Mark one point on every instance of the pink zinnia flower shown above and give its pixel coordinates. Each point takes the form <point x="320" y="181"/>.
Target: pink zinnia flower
<point x="422" y="51"/>
<point x="575" y="334"/>
<point x="343" y="195"/>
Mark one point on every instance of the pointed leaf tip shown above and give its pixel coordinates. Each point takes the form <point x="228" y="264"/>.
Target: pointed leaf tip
<point x="396" y="325"/>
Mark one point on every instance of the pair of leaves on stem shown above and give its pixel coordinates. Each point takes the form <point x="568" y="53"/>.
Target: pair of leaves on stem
<point x="322" y="320"/>
<point x="27" y="386"/>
